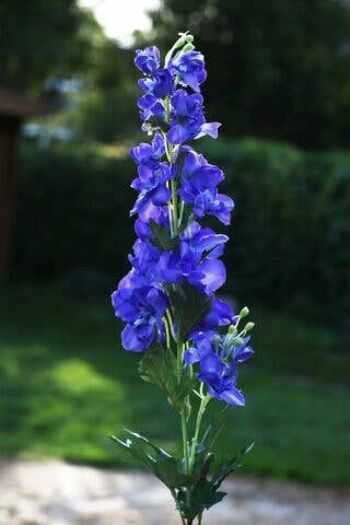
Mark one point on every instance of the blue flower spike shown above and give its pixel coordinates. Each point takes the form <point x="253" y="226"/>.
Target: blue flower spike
<point x="192" y="343"/>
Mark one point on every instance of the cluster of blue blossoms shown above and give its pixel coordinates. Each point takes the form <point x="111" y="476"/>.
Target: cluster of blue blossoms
<point x="176" y="188"/>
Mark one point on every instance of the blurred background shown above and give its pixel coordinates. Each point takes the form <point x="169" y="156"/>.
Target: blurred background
<point x="279" y="81"/>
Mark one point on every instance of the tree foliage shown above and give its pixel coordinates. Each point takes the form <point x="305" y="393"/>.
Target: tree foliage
<point x="279" y="68"/>
<point x="57" y="39"/>
<point x="42" y="38"/>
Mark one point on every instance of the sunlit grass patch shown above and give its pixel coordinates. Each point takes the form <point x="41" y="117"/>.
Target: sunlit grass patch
<point x="65" y="385"/>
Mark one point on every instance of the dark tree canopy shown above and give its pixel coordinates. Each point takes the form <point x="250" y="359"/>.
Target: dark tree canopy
<point x="42" y="39"/>
<point x="39" y="38"/>
<point x="278" y="68"/>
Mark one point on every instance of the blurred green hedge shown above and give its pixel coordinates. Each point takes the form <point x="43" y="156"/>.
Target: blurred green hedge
<point x="290" y="234"/>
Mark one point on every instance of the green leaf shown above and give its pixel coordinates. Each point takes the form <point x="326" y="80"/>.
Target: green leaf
<point x="158" y="366"/>
<point x="164" y="466"/>
<point x="194" y="492"/>
<point x="189" y="307"/>
<point x="199" y="498"/>
<point x="228" y="467"/>
<point x="136" y="450"/>
<point x="202" y="492"/>
<point x="163" y="238"/>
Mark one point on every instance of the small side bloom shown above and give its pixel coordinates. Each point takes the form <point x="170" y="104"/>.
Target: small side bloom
<point x="150" y="108"/>
<point x="148" y="59"/>
<point x="199" y="181"/>
<point x="161" y="84"/>
<point x="188" y="120"/>
<point x="190" y="67"/>
<point x="152" y="186"/>
<point x="218" y="358"/>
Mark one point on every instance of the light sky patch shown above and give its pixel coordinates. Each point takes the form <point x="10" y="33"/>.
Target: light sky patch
<point x="119" y="18"/>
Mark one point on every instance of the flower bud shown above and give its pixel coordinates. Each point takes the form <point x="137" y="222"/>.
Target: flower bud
<point x="232" y="330"/>
<point x="188" y="47"/>
<point x="244" y="312"/>
<point x="184" y="39"/>
<point x="216" y="341"/>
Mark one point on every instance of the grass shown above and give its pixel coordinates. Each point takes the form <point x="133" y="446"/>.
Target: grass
<point x="64" y="386"/>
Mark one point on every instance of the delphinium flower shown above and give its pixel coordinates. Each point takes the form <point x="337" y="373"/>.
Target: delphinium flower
<point x="192" y="343"/>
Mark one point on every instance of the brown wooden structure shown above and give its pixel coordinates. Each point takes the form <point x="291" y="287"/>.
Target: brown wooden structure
<point x="14" y="108"/>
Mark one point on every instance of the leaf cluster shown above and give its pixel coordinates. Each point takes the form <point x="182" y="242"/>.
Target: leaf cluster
<point x="158" y="366"/>
<point x="193" y="492"/>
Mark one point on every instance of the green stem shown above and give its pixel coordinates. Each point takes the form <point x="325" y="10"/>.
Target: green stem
<point x="202" y="407"/>
<point x="183" y="415"/>
<point x="184" y="431"/>
<point x="166" y="145"/>
<point x="182" y="208"/>
<point x="174" y="200"/>
<point x="175" y="219"/>
<point x="170" y="220"/>
<point x="167" y="333"/>
<point x="179" y="363"/>
<point x="171" y="326"/>
<point x="169" y="151"/>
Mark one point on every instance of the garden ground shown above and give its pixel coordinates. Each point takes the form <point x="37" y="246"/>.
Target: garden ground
<point x="55" y="493"/>
<point x="65" y="385"/>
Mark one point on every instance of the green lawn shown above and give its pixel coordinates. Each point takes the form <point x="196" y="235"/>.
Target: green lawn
<point x="65" y="384"/>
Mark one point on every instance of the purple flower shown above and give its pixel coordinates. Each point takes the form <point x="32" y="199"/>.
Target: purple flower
<point x="161" y="84"/>
<point x="199" y="181"/>
<point x="151" y="213"/>
<point x="243" y="352"/>
<point x="218" y="358"/>
<point x="190" y="67"/>
<point x="221" y="380"/>
<point x="196" y="261"/>
<point x="148" y="59"/>
<point x="142" y="306"/>
<point x="169" y="268"/>
<point x="201" y="241"/>
<point x="146" y="153"/>
<point x="220" y="314"/>
<point x="199" y="250"/>
<point x="188" y="121"/>
<point x="208" y="276"/>
<point x="151" y="185"/>
<point x="144" y="259"/>
<point x="150" y="107"/>
<point x="153" y="175"/>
